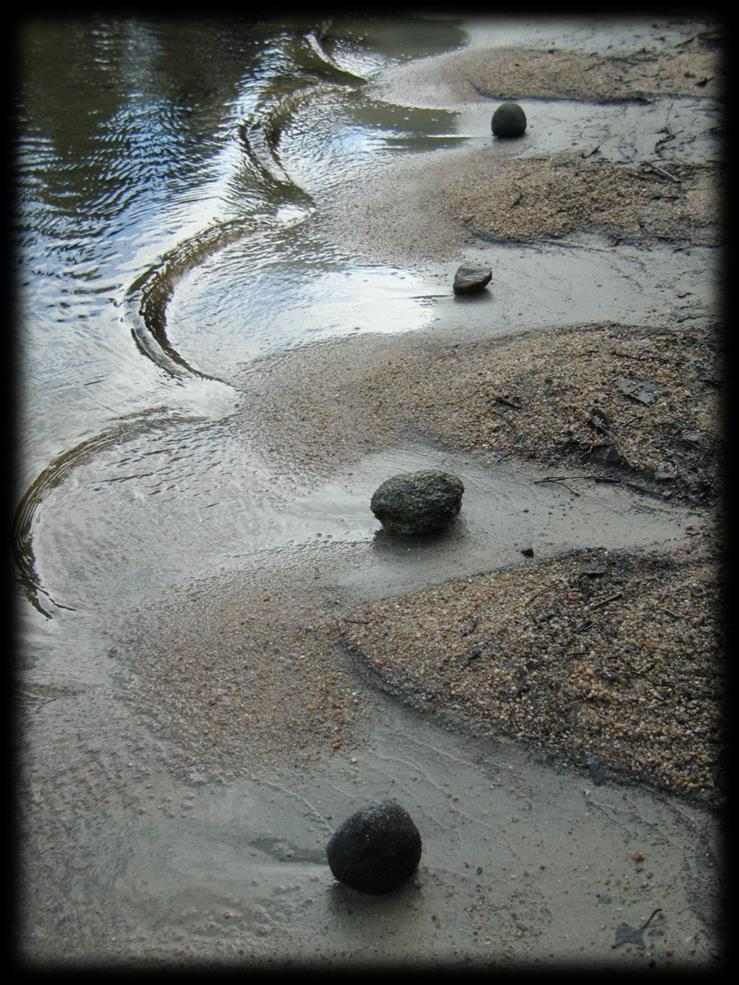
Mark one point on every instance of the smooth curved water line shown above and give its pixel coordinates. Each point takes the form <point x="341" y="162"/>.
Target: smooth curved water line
<point x="261" y="131"/>
<point x="52" y="476"/>
<point x="148" y="296"/>
<point x="261" y="134"/>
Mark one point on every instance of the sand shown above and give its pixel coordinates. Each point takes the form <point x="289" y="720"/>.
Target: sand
<point x="576" y="675"/>
<point x="693" y="67"/>
<point x="606" y="665"/>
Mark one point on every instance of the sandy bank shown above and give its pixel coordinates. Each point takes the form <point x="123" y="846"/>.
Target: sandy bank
<point x="692" y="68"/>
<point x="436" y="205"/>
<point x="607" y="661"/>
<point x="639" y="403"/>
<point x="586" y="672"/>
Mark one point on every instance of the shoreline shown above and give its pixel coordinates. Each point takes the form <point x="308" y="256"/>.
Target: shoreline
<point x="630" y="405"/>
<point x="568" y="398"/>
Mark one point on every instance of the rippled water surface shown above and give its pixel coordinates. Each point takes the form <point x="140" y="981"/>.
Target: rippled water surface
<point x="162" y="243"/>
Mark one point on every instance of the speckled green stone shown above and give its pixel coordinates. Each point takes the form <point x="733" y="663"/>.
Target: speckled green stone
<point x="418" y="502"/>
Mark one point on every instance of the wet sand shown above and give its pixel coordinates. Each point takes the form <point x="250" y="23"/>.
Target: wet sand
<point x="632" y="403"/>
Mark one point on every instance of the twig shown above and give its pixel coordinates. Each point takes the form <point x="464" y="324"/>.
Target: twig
<point x="658" y="170"/>
<point x="602" y="602"/>
<point x="558" y="479"/>
<point x="541" y="591"/>
<point x="597" y="605"/>
<point x="632" y="935"/>
<point x="650" y="918"/>
<point x="508" y="403"/>
<point x="635" y="485"/>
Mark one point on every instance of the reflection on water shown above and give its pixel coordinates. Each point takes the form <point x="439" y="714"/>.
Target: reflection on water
<point x="165" y="172"/>
<point x="280" y="287"/>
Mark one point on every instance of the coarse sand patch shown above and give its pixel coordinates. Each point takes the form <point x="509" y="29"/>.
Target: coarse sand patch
<point x="646" y="402"/>
<point x="607" y="661"/>
<point x="440" y="203"/>
<point x="564" y="194"/>
<point x="693" y="68"/>
<point x="507" y="73"/>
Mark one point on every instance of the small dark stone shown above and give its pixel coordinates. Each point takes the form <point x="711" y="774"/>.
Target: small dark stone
<point x="527" y="551"/>
<point x="471" y="280"/>
<point x="596" y="771"/>
<point x="418" y="502"/>
<point x="636" y="388"/>
<point x="376" y="849"/>
<point x="509" y="120"/>
<point x="594" y="570"/>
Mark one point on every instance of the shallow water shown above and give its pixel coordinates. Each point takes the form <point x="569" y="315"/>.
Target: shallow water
<point x="169" y="172"/>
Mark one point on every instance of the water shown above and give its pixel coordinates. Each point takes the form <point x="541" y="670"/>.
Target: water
<point x="169" y="175"/>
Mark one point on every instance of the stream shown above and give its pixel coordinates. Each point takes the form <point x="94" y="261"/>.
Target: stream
<point x="169" y="176"/>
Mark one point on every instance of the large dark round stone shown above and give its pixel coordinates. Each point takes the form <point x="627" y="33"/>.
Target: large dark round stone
<point x="418" y="502"/>
<point x="509" y="120"/>
<point x="375" y="849"/>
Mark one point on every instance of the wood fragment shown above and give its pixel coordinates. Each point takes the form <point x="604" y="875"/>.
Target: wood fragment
<point x="542" y="590"/>
<point x="602" y="602"/>
<point x="507" y="403"/>
<point x="661" y="171"/>
<point x="558" y="480"/>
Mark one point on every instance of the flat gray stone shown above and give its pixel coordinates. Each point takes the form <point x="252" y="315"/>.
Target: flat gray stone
<point x="638" y="389"/>
<point x="470" y="280"/>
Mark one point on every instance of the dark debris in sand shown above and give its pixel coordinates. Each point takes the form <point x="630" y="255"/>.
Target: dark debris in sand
<point x="610" y="662"/>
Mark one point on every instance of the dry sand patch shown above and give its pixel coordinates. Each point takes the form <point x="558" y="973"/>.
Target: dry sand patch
<point x="540" y="199"/>
<point x="610" y="662"/>
<point x="440" y="203"/>
<point x="644" y="401"/>
<point x="507" y="73"/>
<point x="692" y="68"/>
